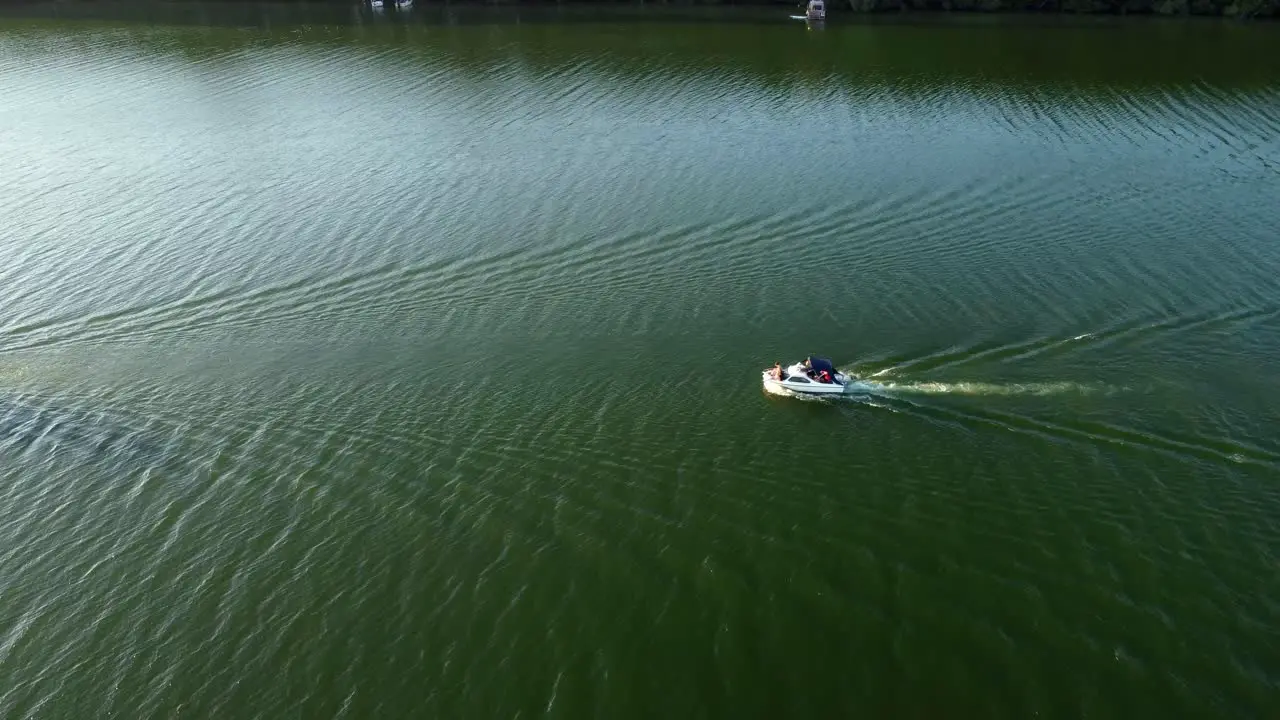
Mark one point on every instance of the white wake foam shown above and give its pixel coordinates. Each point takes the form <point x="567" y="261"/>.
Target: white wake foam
<point x="982" y="388"/>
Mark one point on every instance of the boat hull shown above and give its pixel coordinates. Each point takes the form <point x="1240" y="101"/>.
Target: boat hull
<point x="810" y="388"/>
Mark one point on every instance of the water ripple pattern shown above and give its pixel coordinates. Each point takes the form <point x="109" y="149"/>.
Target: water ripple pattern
<point x="387" y="363"/>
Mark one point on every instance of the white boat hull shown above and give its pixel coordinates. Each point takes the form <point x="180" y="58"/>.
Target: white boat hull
<point x="810" y="389"/>
<point x="795" y="381"/>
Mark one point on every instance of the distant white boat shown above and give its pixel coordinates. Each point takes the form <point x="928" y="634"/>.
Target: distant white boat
<point x="815" y="10"/>
<point x="814" y="376"/>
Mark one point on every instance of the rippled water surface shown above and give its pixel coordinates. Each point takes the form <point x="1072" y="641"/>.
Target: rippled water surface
<point x="355" y="365"/>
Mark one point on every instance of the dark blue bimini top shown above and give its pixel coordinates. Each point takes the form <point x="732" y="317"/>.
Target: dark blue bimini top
<point x="819" y="364"/>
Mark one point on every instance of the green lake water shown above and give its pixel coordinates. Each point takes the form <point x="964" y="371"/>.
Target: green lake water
<point x="372" y="364"/>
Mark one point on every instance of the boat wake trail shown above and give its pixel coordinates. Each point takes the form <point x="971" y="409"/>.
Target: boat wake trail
<point x="983" y="388"/>
<point x="921" y="398"/>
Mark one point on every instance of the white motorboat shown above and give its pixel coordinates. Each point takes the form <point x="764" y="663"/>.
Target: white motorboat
<point x="814" y="376"/>
<point x="814" y="11"/>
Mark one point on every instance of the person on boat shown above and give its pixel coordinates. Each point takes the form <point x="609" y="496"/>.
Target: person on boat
<point x="777" y="371"/>
<point x="825" y="376"/>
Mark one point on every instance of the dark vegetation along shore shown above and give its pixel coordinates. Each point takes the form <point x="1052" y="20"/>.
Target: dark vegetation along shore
<point x="1239" y="9"/>
<point x="1228" y="8"/>
<point x="1243" y="9"/>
